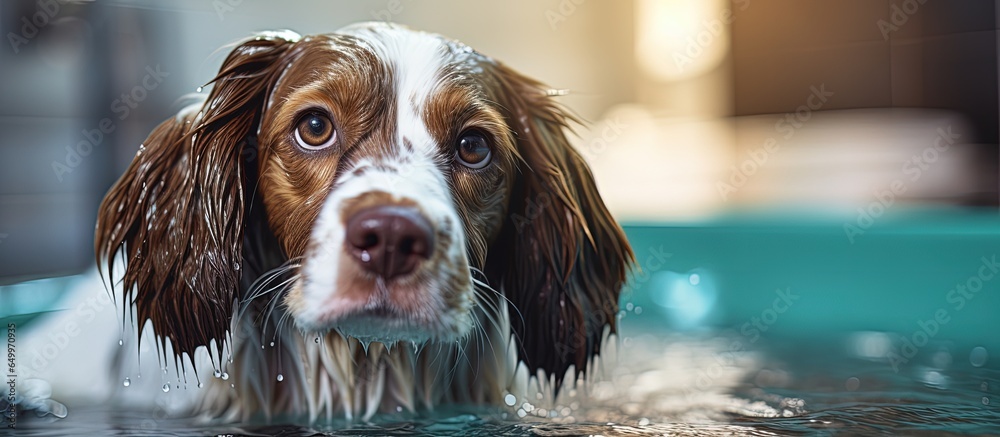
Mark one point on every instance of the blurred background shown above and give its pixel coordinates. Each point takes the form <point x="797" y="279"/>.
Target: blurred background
<point x="843" y="149"/>
<point x="815" y="179"/>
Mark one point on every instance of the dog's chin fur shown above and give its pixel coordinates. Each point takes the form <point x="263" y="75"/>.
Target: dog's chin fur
<point x="389" y="329"/>
<point x="331" y="375"/>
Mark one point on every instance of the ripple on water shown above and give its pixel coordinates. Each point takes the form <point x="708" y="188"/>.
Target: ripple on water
<point x="674" y="386"/>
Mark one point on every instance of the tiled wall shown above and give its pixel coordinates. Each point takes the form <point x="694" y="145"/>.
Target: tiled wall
<point x="56" y="85"/>
<point x="872" y="53"/>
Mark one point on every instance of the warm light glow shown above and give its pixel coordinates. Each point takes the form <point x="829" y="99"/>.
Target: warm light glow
<point x="680" y="39"/>
<point x="656" y="167"/>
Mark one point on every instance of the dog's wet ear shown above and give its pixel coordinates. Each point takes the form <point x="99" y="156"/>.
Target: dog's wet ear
<point x="561" y="258"/>
<point x="176" y="217"/>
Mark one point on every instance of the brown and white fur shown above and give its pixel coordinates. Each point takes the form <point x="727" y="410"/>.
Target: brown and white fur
<point x="232" y="229"/>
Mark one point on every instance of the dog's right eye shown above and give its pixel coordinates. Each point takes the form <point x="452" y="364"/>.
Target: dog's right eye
<point x="315" y="131"/>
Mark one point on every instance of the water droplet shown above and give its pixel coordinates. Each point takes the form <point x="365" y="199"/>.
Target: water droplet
<point x="262" y="346"/>
<point x="225" y="376"/>
<point x="236" y="266"/>
<point x="364" y="345"/>
<point x="979" y="356"/>
<point x="637" y="310"/>
<point x="232" y="386"/>
<point x="510" y="400"/>
<point x="365" y="256"/>
<point x="127" y="382"/>
<point x="853" y="383"/>
<point x="316" y="340"/>
<point x="217" y="373"/>
<point x="200" y="385"/>
<point x="281" y="377"/>
<point x="629" y="306"/>
<point x="643" y="422"/>
<point x="694" y="279"/>
<point x="986" y="400"/>
<point x="120" y="342"/>
<point x="272" y="344"/>
<point x="934" y="379"/>
<point x="399" y="409"/>
<point x="166" y="387"/>
<point x="199" y="89"/>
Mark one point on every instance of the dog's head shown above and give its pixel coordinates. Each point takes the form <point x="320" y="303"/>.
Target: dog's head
<point x="395" y="172"/>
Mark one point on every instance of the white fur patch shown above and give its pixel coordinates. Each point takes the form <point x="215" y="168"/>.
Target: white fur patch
<point x="412" y="174"/>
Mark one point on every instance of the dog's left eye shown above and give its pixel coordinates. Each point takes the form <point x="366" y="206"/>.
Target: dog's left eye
<point x="315" y="131"/>
<point x="473" y="150"/>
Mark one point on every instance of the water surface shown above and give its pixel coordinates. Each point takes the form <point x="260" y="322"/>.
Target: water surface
<point x="707" y="384"/>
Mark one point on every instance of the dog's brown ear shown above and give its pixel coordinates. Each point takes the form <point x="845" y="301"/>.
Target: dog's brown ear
<point x="560" y="258"/>
<point x="176" y="216"/>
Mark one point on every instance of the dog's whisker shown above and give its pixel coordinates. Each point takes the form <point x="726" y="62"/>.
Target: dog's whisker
<point x="275" y="298"/>
<point x="260" y="286"/>
<point x="277" y="290"/>
<point x="479" y="285"/>
<point x="491" y="309"/>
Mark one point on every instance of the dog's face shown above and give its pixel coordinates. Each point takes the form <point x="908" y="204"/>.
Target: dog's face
<point x="398" y="172"/>
<point x="384" y="164"/>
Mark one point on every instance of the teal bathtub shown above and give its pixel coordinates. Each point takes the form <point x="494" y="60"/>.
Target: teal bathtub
<point x="926" y="276"/>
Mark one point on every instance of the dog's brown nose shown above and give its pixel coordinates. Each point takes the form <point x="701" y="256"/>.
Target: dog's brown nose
<point x="389" y="241"/>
